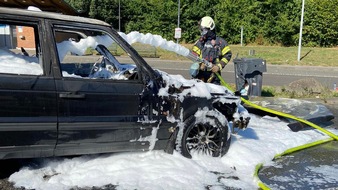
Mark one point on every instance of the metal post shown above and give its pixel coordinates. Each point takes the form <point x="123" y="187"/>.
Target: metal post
<point x="178" y="16"/>
<point x="241" y="35"/>
<point x="300" y="31"/>
<point x="119" y="16"/>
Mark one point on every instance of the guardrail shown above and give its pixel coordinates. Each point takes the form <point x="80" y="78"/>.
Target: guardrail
<point x="145" y="50"/>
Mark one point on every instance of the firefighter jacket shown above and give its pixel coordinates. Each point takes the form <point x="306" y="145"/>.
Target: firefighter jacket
<point x="216" y="51"/>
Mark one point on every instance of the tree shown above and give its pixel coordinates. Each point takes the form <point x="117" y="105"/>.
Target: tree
<point x="321" y="23"/>
<point x="281" y="21"/>
<point x="80" y="6"/>
<point x="269" y="22"/>
<point x="191" y="12"/>
<point x="106" y="10"/>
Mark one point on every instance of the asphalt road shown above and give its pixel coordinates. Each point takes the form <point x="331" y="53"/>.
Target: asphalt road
<point x="276" y="75"/>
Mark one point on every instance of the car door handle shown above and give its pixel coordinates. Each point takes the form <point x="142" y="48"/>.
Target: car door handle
<point x="72" y="95"/>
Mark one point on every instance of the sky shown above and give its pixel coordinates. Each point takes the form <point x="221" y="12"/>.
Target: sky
<point x="259" y="143"/>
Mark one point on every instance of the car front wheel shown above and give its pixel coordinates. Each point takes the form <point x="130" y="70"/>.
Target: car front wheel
<point x="205" y="138"/>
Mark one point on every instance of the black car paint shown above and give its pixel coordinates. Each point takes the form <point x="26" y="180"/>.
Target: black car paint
<point x="28" y="114"/>
<point x="53" y="116"/>
<point x="49" y="115"/>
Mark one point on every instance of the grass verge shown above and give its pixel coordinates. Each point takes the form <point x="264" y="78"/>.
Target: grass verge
<point x="283" y="92"/>
<point x="275" y="55"/>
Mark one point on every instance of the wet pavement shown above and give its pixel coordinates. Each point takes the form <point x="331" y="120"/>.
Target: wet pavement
<point x="314" y="111"/>
<point x="332" y="105"/>
<point x="311" y="168"/>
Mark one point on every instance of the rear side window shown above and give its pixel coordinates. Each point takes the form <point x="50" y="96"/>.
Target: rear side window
<point x="20" y="51"/>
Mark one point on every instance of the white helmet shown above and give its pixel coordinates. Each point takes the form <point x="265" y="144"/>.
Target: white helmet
<point x="207" y="22"/>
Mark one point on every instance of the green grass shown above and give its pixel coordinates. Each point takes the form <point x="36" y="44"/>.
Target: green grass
<point x="281" y="92"/>
<point x="276" y="55"/>
<point x="311" y="56"/>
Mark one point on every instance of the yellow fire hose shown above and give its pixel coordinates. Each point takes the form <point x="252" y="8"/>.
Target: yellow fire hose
<point x="259" y="166"/>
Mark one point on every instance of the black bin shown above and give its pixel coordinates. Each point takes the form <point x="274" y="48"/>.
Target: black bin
<point x="251" y="70"/>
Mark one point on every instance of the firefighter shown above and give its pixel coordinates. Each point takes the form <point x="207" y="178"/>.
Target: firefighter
<point x="211" y="48"/>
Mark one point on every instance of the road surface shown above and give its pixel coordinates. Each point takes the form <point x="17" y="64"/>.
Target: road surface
<point x="276" y="75"/>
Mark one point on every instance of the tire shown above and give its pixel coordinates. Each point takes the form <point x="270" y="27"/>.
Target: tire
<point x="209" y="138"/>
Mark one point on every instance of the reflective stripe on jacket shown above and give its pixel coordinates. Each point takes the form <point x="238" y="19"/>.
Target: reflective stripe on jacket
<point x="215" y="51"/>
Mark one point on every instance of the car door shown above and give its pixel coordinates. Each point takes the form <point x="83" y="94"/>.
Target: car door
<point x="28" y="109"/>
<point x="97" y="113"/>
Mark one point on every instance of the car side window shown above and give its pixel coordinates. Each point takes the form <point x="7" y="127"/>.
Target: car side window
<point x="20" y="51"/>
<point x="90" y="54"/>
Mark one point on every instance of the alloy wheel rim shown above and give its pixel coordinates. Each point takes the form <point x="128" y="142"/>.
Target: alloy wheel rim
<point x="204" y="139"/>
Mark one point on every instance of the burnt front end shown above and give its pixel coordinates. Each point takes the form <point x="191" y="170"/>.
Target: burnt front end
<point x="233" y="110"/>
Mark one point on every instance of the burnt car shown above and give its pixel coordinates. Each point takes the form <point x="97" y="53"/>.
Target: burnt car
<point x="64" y="90"/>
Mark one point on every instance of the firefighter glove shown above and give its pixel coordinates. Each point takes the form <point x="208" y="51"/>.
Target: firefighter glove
<point x="216" y="68"/>
<point x="203" y="66"/>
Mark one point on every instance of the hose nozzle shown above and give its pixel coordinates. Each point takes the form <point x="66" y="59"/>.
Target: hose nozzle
<point x="196" y="58"/>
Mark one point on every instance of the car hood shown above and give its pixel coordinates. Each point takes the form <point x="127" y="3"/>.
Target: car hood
<point x="181" y="87"/>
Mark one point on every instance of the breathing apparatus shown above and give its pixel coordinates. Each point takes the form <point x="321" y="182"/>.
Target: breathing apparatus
<point x="207" y="26"/>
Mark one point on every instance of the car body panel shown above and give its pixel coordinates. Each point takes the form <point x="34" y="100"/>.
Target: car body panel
<point x="61" y="113"/>
<point x="28" y="113"/>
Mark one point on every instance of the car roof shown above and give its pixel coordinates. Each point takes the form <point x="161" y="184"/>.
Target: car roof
<point x="59" y="6"/>
<point x="49" y="15"/>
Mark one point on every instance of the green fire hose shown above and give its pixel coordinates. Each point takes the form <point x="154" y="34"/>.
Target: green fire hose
<point x="278" y="112"/>
<point x="259" y="166"/>
<point x="196" y="58"/>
